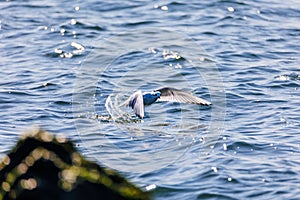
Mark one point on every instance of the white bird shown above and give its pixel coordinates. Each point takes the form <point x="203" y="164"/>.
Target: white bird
<point x="138" y="100"/>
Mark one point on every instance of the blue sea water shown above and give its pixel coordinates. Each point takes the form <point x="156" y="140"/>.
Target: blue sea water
<point x="67" y="66"/>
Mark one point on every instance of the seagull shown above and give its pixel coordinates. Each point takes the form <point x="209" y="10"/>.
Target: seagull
<point x="138" y="100"/>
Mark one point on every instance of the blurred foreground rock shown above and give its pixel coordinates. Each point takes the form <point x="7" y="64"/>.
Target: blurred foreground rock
<point x="42" y="166"/>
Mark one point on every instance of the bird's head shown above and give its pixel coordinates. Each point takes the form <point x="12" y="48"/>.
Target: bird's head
<point x="155" y="93"/>
<point x="150" y="97"/>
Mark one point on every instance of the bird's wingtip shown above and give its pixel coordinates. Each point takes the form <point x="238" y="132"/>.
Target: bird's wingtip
<point x="207" y="103"/>
<point x="141" y="116"/>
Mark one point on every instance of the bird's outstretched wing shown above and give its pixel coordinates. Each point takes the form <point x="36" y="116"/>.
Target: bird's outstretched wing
<point x="175" y="95"/>
<point x="136" y="102"/>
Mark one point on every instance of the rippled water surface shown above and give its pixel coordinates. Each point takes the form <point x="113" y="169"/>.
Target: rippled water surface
<point x="69" y="66"/>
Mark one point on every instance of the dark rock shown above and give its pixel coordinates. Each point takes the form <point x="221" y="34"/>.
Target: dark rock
<point x="42" y="166"/>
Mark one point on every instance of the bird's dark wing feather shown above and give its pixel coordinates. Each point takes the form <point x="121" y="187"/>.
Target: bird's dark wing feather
<point x="175" y="95"/>
<point x="136" y="102"/>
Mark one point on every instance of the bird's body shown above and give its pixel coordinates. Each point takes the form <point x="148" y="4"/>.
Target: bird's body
<point x="138" y="100"/>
